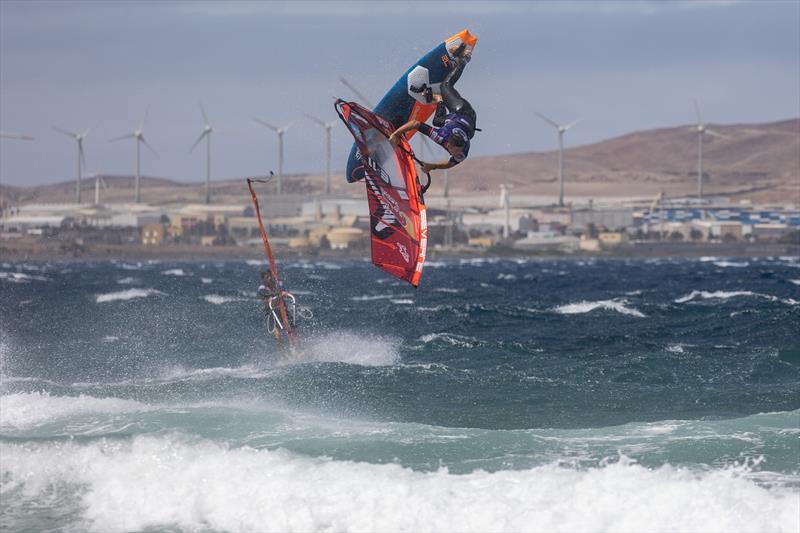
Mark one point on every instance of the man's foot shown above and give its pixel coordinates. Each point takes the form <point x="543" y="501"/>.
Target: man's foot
<point x="460" y="50"/>
<point x="424" y="89"/>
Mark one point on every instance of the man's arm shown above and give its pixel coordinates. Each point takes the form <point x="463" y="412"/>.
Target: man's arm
<point x="394" y="138"/>
<point x="427" y="167"/>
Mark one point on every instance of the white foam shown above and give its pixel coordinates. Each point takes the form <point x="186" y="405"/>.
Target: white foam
<point x="371" y="297"/>
<point x="175" y="272"/>
<point x="587" y="307"/>
<point x="506" y="277"/>
<point x="206" y="280"/>
<point x="346" y="347"/>
<point x="28" y="409"/>
<point x="20" y="277"/>
<point x="127" y="281"/>
<point x="725" y="295"/>
<point x="219" y="300"/>
<point x="795" y="281"/>
<point x="254" y="262"/>
<point x="448" y="290"/>
<point x="462" y="341"/>
<point x="731" y="264"/>
<point x="402" y="302"/>
<point x="169" y="482"/>
<point x="129" y="294"/>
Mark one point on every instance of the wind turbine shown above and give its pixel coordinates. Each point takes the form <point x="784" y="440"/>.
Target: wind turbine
<point x="280" y="132"/>
<point x="79" y="137"/>
<point x="560" y="129"/>
<point x="207" y="131"/>
<point x="701" y="130"/>
<point x="328" y="126"/>
<point x="137" y="134"/>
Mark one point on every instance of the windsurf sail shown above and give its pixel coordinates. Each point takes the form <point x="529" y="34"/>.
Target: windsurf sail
<point x="398" y="223"/>
<point x="278" y="316"/>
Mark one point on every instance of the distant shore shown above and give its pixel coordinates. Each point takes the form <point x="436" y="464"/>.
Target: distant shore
<point x="59" y="251"/>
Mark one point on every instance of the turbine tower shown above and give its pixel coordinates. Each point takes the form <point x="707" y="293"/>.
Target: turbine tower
<point x="560" y="129"/>
<point x="280" y="132"/>
<point x="137" y="134"/>
<point x="79" y="137"/>
<point x="701" y="130"/>
<point x="207" y="131"/>
<point x="505" y="203"/>
<point x="328" y="126"/>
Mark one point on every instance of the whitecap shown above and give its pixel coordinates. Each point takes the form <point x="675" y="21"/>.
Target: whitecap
<point x="371" y="297"/>
<point x="129" y="294"/>
<point x="726" y="295"/>
<point x="29" y="409"/>
<point x="206" y="281"/>
<point x="20" y="277"/>
<point x="127" y="281"/>
<point x="731" y="264"/>
<point x="171" y="481"/>
<point x="174" y="272"/>
<point x="219" y="300"/>
<point x="587" y="307"/>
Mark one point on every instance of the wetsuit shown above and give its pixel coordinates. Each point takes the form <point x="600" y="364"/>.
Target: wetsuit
<point x="461" y="117"/>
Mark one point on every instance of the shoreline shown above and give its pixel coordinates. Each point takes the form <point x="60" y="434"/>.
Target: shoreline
<point x="61" y="251"/>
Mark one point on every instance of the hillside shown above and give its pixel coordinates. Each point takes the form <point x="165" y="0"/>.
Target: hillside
<point x="756" y="161"/>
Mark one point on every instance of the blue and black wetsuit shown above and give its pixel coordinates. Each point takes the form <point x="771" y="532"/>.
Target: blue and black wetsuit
<point x="461" y="116"/>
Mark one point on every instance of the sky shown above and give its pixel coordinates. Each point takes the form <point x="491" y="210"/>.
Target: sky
<point x="618" y="66"/>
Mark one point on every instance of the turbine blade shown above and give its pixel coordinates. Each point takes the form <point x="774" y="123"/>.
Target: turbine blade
<point x="128" y="136"/>
<point x="315" y="119"/>
<point x="198" y="140"/>
<point x="267" y="124"/>
<point x="289" y="125"/>
<point x="65" y="132"/>
<point x="147" y="144"/>
<point x="697" y="111"/>
<point x="715" y="134"/>
<point x="203" y="111"/>
<point x="146" y="111"/>
<point x="552" y="123"/>
<point x="4" y="135"/>
<point x="568" y="126"/>
<point x="364" y="99"/>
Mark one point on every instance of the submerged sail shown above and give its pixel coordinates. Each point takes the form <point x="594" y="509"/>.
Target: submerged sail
<point x="399" y="229"/>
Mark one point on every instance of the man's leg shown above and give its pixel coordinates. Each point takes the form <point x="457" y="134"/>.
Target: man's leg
<point x="452" y="99"/>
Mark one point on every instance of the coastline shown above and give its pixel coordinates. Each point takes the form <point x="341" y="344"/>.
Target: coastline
<point x="57" y="250"/>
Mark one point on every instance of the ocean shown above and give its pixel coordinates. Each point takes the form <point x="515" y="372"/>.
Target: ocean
<point x="502" y="395"/>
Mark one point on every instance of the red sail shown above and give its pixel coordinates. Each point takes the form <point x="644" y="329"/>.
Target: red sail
<point x="399" y="229"/>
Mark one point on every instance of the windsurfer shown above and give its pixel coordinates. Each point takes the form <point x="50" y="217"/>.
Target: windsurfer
<point x="453" y="130"/>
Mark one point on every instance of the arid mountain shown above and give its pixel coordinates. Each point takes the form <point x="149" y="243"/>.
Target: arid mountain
<point x="760" y="162"/>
